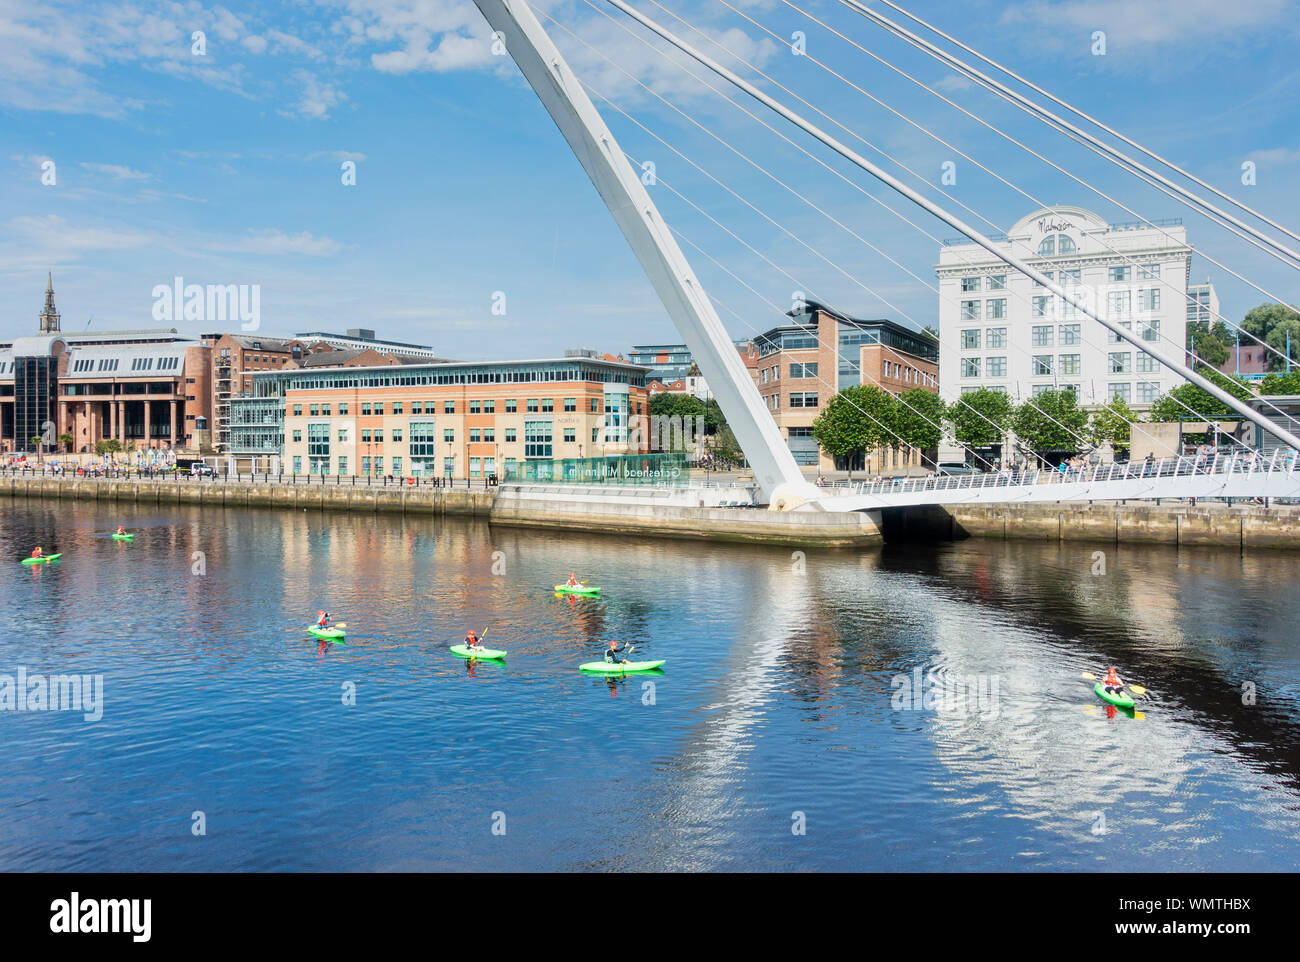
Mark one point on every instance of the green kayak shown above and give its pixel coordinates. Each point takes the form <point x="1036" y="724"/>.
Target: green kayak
<point x="613" y="668"/>
<point x="1121" y="700"/>
<point x="577" y="590"/>
<point x="331" y="634"/>
<point x="43" y="560"/>
<point x="476" y="652"/>
<point x="123" y="537"/>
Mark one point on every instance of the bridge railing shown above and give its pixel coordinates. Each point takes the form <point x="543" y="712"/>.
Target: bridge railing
<point x="1182" y="466"/>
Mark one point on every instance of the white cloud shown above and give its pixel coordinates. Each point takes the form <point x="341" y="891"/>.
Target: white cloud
<point x="52" y="233"/>
<point x="117" y="172"/>
<point x="271" y="241"/>
<point x="317" y="97"/>
<point x="1276" y="156"/>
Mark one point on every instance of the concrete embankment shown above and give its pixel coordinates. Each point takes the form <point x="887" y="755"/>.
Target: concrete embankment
<point x="399" y="499"/>
<point x="645" y="513"/>
<point x="1235" y="526"/>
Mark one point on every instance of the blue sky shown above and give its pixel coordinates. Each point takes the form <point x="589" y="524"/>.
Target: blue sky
<point x="225" y="168"/>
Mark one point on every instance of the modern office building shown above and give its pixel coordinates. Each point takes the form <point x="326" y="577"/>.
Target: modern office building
<point x="801" y="365"/>
<point x="1202" y="304"/>
<point x="360" y="339"/>
<point x="1000" y="330"/>
<point x="451" y="420"/>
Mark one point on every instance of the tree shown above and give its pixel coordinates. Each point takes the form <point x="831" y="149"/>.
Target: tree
<point x="1261" y="320"/>
<point x="1284" y="337"/>
<point x="979" y="418"/>
<point x="1274" y="384"/>
<point x="1190" y="401"/>
<point x="1112" y="424"/>
<point x="66" y="440"/>
<point x="1209" y="347"/>
<point x="38" y="443"/>
<point x="918" y="418"/>
<point x="857" y="419"/>
<point x="1051" y="421"/>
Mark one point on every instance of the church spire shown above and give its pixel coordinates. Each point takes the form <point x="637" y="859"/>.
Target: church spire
<point x="50" y="315"/>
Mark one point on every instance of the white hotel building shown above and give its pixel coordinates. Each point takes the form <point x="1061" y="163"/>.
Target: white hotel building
<point x="999" y="329"/>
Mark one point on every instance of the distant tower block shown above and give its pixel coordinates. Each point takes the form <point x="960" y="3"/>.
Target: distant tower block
<point x="50" y="315"/>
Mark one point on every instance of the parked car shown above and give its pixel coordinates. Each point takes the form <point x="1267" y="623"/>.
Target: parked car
<point x="955" y="468"/>
<point x="202" y="470"/>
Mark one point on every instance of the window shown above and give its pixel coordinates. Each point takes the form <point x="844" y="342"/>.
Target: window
<point x="531" y="405"/>
<point x="510" y="435"/>
<point x="1043" y="306"/>
<point x="397" y="434"/>
<point x="1148" y="272"/>
<point x="475" y="467"/>
<point x="1071" y="278"/>
<point x="1119" y="392"/>
<point x="365" y="465"/>
<point x="803" y="370"/>
<point x="570" y="435"/>
<point x="423" y="441"/>
<point x="1043" y="364"/>
<point x="397" y="465"/>
<point x="448" y="467"/>
<point x="997" y="367"/>
<point x="297" y="436"/>
<point x="595" y="405"/>
<point x="1056" y="244"/>
<point x="343" y="464"/>
<point x="489" y="407"/>
<point x="570" y="404"/>
<point x="594" y="433"/>
<point x="318" y="448"/>
<point x="397" y="407"/>
<point x="474" y="407"/>
<point x="417" y="407"/>
<point x="1148" y="391"/>
<point x="1120" y="362"/>
<point x="343" y="409"/>
<point x="1039" y="389"/>
<point x="804" y="400"/>
<point x="970" y="341"/>
<point x="379" y="407"/>
<point x="489" y="434"/>
<point x="1151" y="330"/>
<point x="970" y="310"/>
<point x="548" y="405"/>
<point x="365" y="408"/>
<point x="995" y="337"/>
<point x="511" y="406"/>
<point x="1070" y="363"/>
<point x="970" y="367"/>
<point x="1070" y="334"/>
<point x="1146" y="364"/>
<point x="297" y="464"/>
<point x="969" y="284"/>
<point x="448" y="407"/>
<point x="997" y="282"/>
<point x="315" y="410"/>
<point x="365" y="435"/>
<point x="379" y="436"/>
<point x="297" y="410"/>
<point x="1041" y="336"/>
<point x="473" y="435"/>
<point x="379" y="465"/>
<point x="343" y="435"/>
<point x="1149" y="299"/>
<point x="1051" y="276"/>
<point x="449" y="434"/>
<point x="997" y="309"/>
<point x="538" y="439"/>
<point x="1118" y="275"/>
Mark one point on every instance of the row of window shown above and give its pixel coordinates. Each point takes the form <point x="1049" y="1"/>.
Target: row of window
<point x="1147" y="391"/>
<point x="476" y="435"/>
<point x="427" y="467"/>
<point x="1118" y="303"/>
<point x="1044" y="335"/>
<point x="1046" y="365"/>
<point x="511" y="406"/>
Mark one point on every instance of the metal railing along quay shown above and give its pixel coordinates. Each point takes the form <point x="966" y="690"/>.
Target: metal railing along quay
<point x="288" y="480"/>
<point x="1281" y="462"/>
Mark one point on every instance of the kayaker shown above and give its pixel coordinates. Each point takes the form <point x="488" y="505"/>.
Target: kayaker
<point x="38" y="552"/>
<point x="611" y="653"/>
<point x="322" y="619"/>
<point x="1112" y="683"/>
<point x="121" y="529"/>
<point x="471" y="640"/>
<point x="573" y="581"/>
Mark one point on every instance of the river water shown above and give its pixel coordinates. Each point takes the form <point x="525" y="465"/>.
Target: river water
<point x="794" y="727"/>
